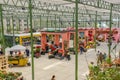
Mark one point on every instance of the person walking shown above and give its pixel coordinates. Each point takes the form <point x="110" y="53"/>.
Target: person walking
<point x="101" y="57"/>
<point x="81" y="49"/>
<point x="53" y="77"/>
<point x="27" y="52"/>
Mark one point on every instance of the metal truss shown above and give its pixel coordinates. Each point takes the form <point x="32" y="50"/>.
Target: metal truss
<point x="20" y="7"/>
<point x="98" y="4"/>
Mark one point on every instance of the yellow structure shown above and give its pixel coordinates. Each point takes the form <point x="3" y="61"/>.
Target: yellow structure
<point x="19" y="61"/>
<point x="22" y="39"/>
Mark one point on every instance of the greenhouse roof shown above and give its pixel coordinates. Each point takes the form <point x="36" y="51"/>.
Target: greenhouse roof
<point x="87" y="8"/>
<point x="104" y="5"/>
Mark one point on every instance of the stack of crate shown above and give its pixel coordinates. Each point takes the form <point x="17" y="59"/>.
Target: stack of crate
<point x="3" y="63"/>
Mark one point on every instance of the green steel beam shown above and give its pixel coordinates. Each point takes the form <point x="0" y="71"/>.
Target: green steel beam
<point x="31" y="31"/>
<point x="110" y="33"/>
<point x="7" y="24"/>
<point x="102" y="4"/>
<point x="23" y="3"/>
<point x="55" y="22"/>
<point x="76" y="39"/>
<point x="96" y="23"/>
<point x="47" y="21"/>
<point x="27" y="22"/>
<point x="40" y="22"/>
<point x="34" y="22"/>
<point x="18" y="23"/>
<point x="118" y="21"/>
<point x="13" y="30"/>
<point x="2" y="30"/>
<point x="95" y="30"/>
<point x="12" y="8"/>
<point x="73" y="20"/>
<point x="22" y="16"/>
<point x="59" y="23"/>
<point x="51" y="23"/>
<point x="9" y="7"/>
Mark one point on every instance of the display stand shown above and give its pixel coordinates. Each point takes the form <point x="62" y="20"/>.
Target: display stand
<point x="3" y="63"/>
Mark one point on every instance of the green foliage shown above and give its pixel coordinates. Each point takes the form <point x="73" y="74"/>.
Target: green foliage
<point x="9" y="76"/>
<point x="106" y="74"/>
<point x="0" y="40"/>
<point x="8" y="41"/>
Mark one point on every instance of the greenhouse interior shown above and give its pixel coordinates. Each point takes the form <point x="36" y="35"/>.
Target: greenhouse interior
<point x="75" y="39"/>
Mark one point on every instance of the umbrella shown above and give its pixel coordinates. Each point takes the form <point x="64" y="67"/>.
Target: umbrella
<point x="17" y="48"/>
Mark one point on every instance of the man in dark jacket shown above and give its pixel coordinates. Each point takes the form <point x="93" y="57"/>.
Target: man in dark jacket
<point x="27" y="52"/>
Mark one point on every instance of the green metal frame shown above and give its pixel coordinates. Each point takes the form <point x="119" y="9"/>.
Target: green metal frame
<point x="2" y="29"/>
<point x="102" y="4"/>
<point x="76" y="38"/>
<point x="40" y="22"/>
<point x="110" y="33"/>
<point x="31" y="31"/>
<point x="55" y="22"/>
<point x="13" y="30"/>
<point x="31" y="7"/>
<point x="95" y="29"/>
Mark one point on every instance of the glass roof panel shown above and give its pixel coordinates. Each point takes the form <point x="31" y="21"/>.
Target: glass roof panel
<point x="113" y="1"/>
<point x="57" y="3"/>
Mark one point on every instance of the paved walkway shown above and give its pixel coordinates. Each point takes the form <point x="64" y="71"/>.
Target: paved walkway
<point x="63" y="69"/>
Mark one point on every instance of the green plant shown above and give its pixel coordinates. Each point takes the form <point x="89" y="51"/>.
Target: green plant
<point x="112" y="73"/>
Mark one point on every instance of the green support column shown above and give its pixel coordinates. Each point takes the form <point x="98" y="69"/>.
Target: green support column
<point x="13" y="31"/>
<point x="55" y="22"/>
<point x="2" y="30"/>
<point x="110" y="39"/>
<point x="83" y="21"/>
<point x="100" y="20"/>
<point x="51" y="23"/>
<point x="73" y="20"/>
<point x="47" y="21"/>
<point x="1" y="36"/>
<point x="59" y="23"/>
<point x="34" y="23"/>
<point x="95" y="29"/>
<point x="106" y="22"/>
<point x="118" y="22"/>
<point x="40" y="22"/>
<point x="7" y="24"/>
<point x="96" y="24"/>
<point x="27" y="22"/>
<point x="31" y="32"/>
<point x="76" y="38"/>
<point x="19" y="23"/>
<point x="84" y="24"/>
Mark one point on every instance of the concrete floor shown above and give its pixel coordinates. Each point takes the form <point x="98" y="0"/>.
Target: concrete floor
<point x="62" y="69"/>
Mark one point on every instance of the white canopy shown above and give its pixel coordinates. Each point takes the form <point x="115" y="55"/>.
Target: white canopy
<point x="17" y="48"/>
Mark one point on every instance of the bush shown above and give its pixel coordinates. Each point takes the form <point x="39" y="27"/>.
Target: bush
<point x="106" y="74"/>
